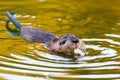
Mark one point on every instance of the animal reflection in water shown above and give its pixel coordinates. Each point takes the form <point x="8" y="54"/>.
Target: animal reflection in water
<point x="66" y="44"/>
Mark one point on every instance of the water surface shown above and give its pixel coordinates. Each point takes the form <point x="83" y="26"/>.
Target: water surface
<point x="96" y="22"/>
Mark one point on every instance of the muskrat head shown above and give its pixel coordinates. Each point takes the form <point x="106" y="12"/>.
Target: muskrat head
<point x="68" y="44"/>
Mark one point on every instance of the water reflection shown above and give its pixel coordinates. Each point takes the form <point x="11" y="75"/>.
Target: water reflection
<point x="12" y="32"/>
<point x="41" y="0"/>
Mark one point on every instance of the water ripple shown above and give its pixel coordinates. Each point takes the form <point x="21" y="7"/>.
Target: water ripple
<point x="45" y="64"/>
<point x="94" y="76"/>
<point x="113" y="35"/>
<point x="18" y="77"/>
<point x="101" y="40"/>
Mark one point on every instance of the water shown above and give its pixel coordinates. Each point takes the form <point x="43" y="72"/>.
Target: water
<point x="96" y="22"/>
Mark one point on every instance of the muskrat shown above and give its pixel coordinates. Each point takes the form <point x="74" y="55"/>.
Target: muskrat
<point x="68" y="43"/>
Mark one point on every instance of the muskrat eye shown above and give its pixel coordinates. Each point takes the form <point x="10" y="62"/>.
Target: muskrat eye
<point x="55" y="39"/>
<point x="65" y="37"/>
<point x="63" y="42"/>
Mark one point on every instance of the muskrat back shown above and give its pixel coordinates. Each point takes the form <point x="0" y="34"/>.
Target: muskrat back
<point x="34" y="35"/>
<point x="31" y="34"/>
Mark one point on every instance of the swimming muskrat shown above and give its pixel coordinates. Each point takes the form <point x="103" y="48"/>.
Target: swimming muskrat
<point x="68" y="43"/>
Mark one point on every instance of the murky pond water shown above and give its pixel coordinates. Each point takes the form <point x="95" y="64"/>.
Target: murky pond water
<point x="96" y="22"/>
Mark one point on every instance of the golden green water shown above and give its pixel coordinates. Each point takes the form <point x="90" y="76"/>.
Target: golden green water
<point x="96" y="22"/>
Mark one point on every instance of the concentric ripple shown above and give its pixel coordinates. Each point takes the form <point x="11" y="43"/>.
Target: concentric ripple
<point x="50" y="66"/>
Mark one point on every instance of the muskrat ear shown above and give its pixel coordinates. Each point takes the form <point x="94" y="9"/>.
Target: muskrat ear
<point x="55" y="39"/>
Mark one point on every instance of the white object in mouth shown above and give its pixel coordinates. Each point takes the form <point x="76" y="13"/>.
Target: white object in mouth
<point x="78" y="51"/>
